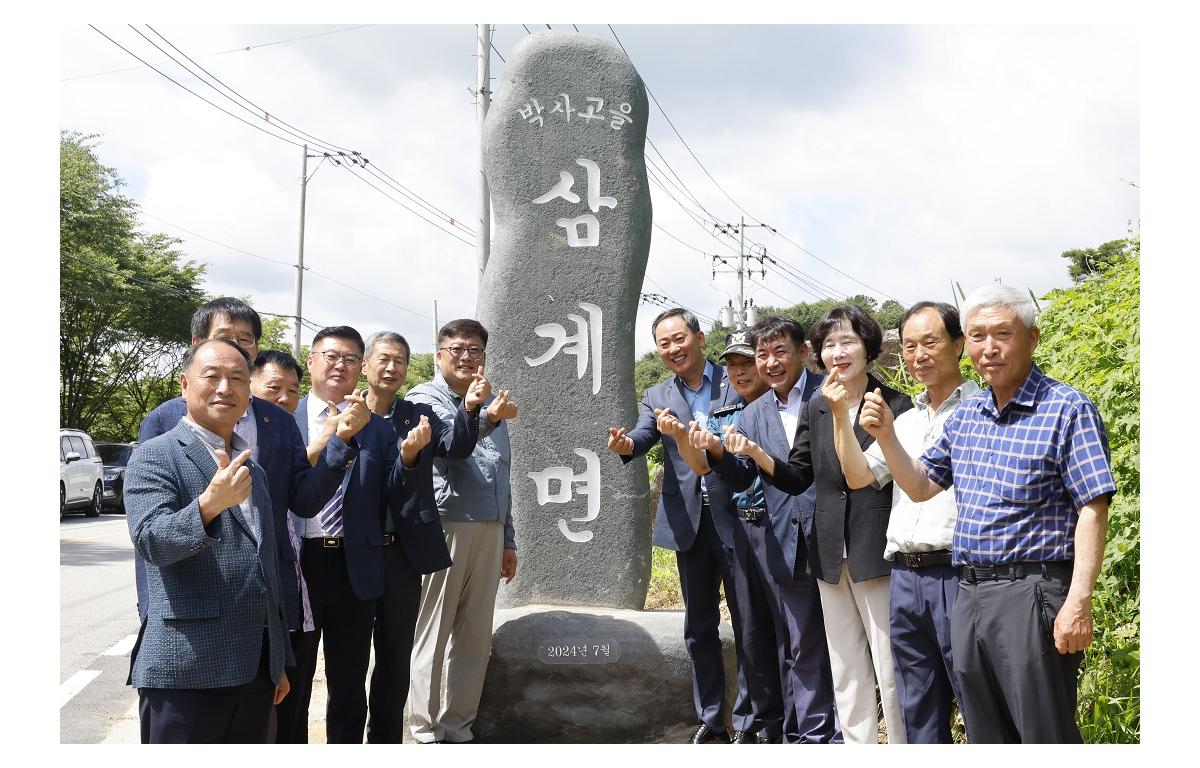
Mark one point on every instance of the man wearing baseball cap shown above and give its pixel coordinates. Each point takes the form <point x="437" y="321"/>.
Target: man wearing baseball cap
<point x="773" y="586"/>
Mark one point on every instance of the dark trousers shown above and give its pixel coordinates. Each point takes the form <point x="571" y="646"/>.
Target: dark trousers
<point x="922" y="602"/>
<point x="291" y="714"/>
<point x="238" y="714"/>
<point x="1016" y="687"/>
<point x="702" y="570"/>
<point x="395" y="622"/>
<point x="344" y="623"/>
<point x="784" y="643"/>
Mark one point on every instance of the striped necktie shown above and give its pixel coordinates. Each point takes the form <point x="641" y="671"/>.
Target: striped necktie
<point x="330" y="516"/>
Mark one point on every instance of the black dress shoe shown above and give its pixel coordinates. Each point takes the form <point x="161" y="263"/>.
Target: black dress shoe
<point x="765" y="738"/>
<point x="742" y="737"/>
<point x="703" y="735"/>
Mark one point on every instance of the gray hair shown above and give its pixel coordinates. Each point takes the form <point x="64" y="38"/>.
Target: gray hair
<point x="386" y="337"/>
<point x="688" y="319"/>
<point x="1001" y="296"/>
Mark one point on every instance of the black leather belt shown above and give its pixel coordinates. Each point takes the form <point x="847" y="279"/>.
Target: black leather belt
<point x="752" y="514"/>
<point x="335" y="542"/>
<point x="1012" y="571"/>
<point x="922" y="559"/>
<point x="389" y="538"/>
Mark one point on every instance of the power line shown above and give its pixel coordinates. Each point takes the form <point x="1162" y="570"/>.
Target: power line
<point x="727" y="195"/>
<point x="349" y="155"/>
<point x="220" y="53"/>
<point x="291" y="266"/>
<point x="431" y="222"/>
<point x="198" y="96"/>
<point x="215" y="242"/>
<point x="151" y="283"/>
<point x="259" y="110"/>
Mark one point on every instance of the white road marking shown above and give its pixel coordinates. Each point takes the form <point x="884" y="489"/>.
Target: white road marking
<point x="123" y="647"/>
<point x="74" y="684"/>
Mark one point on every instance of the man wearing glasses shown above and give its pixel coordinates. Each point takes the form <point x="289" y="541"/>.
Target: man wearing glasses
<point x="475" y="501"/>
<point x="342" y="546"/>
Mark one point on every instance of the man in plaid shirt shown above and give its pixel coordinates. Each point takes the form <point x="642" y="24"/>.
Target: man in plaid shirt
<point x="1029" y="460"/>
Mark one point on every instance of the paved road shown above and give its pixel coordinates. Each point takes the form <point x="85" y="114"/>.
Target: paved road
<point x="98" y="626"/>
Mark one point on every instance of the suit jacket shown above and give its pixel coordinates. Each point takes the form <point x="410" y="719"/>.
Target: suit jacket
<point x="678" y="515"/>
<point x="418" y="523"/>
<point x="790" y="516"/>
<point x="377" y="478"/>
<point x="212" y="589"/>
<point x="864" y="513"/>
<point x="293" y="482"/>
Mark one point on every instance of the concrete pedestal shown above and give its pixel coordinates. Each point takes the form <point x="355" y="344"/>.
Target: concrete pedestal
<point x="591" y="675"/>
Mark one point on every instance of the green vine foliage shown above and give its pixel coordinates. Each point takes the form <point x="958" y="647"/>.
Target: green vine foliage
<point x="1091" y="340"/>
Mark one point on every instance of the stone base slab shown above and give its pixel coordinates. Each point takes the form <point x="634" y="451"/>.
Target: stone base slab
<point x="591" y="675"/>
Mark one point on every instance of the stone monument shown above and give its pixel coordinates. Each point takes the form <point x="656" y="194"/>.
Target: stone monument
<point x="563" y="147"/>
<point x="574" y="658"/>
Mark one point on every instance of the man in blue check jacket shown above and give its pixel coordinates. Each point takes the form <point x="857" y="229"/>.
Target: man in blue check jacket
<point x="208" y="664"/>
<point x="275" y="444"/>
<point x="703" y="542"/>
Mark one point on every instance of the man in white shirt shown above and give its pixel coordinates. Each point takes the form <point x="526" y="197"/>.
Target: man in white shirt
<point x="919" y="534"/>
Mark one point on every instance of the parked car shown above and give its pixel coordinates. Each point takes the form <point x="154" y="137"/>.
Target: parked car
<point x="115" y="457"/>
<point x="80" y="472"/>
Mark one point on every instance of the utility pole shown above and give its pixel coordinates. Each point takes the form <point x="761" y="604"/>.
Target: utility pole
<point x="436" y="328"/>
<point x="740" y="311"/>
<point x="741" y="302"/>
<point x="483" y="100"/>
<point x="300" y="255"/>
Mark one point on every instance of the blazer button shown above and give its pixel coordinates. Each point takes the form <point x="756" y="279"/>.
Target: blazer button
<point x="795" y="521"/>
<point x="348" y="463"/>
<point x="842" y="494"/>
<point x="263" y="594"/>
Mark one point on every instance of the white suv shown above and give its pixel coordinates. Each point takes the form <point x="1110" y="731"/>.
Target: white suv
<point x="80" y="472"/>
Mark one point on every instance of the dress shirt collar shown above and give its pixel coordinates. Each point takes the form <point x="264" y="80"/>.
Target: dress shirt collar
<point x="1025" y="396"/>
<point x="705" y="378"/>
<point x="795" y="395"/>
<point x="215" y="442"/>
<point x="967" y="389"/>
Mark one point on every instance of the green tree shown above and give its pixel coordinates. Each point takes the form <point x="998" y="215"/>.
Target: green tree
<point x="125" y="297"/>
<point x="1091" y="340"/>
<point x="420" y="370"/>
<point x="1088" y="261"/>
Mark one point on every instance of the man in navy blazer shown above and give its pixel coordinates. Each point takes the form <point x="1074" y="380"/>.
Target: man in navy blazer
<point x="423" y="436"/>
<point x="276" y="446"/>
<point x="342" y="554"/>
<point x="780" y="551"/>
<point x="209" y="661"/>
<point x="684" y="522"/>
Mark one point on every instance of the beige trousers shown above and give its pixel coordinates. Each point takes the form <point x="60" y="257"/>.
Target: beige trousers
<point x="454" y="634"/>
<point x="857" y="623"/>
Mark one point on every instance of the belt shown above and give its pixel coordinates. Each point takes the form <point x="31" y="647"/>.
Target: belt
<point x="922" y="559"/>
<point x="752" y="514"/>
<point x="1011" y="571"/>
<point x="335" y="542"/>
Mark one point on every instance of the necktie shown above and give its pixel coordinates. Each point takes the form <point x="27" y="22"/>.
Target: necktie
<point x="330" y="516"/>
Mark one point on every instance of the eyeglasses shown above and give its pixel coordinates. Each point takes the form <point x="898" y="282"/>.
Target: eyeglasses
<point x="245" y="342"/>
<point x="469" y="352"/>
<point x="331" y="358"/>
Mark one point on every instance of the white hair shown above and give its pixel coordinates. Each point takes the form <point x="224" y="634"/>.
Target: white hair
<point x="1015" y="299"/>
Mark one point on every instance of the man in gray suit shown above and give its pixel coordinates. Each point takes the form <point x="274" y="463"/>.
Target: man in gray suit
<point x="209" y="663"/>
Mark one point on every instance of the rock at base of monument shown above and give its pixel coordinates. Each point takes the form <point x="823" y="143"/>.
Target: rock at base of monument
<point x="591" y="675"/>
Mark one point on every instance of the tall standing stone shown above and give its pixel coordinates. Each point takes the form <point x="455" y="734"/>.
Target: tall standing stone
<point x="564" y="157"/>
